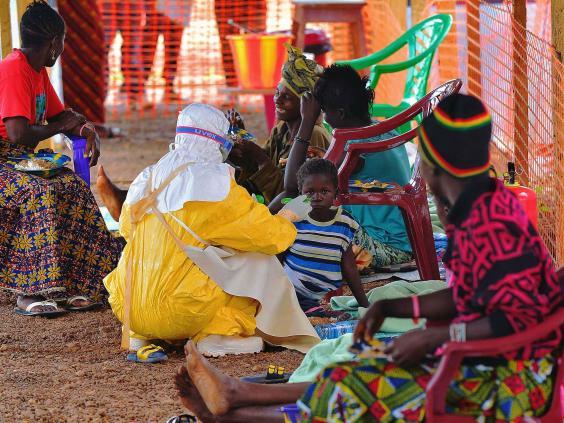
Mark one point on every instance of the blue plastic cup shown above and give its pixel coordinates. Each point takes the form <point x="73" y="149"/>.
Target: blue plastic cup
<point x="291" y="413"/>
<point x="81" y="163"/>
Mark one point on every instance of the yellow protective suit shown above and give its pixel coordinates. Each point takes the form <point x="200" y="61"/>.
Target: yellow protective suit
<point x="172" y="298"/>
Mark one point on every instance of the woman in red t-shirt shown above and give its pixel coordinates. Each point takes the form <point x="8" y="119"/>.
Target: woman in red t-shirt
<point x="53" y="240"/>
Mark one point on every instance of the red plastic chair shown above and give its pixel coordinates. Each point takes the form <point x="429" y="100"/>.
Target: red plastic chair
<point x="411" y="198"/>
<point x="454" y="352"/>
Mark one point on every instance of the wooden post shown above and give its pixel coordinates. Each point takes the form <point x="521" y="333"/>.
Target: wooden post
<point x="399" y="7"/>
<point x="558" y="122"/>
<point x="558" y="27"/>
<point x="5" y="29"/>
<point x="521" y="90"/>
<point x="474" y="61"/>
<point x="448" y="50"/>
<point x="22" y="5"/>
<point x="418" y="7"/>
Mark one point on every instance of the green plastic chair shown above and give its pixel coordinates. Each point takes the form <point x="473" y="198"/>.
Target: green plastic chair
<point x="422" y="41"/>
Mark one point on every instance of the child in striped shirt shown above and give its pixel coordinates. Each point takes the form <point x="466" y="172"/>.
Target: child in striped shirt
<point x="321" y="258"/>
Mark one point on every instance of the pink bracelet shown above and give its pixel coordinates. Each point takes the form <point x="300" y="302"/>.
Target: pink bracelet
<point x="82" y="127"/>
<point x="416" y="310"/>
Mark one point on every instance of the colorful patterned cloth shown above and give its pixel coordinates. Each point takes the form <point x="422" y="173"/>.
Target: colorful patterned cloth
<point x="380" y="254"/>
<point x="53" y="240"/>
<point x="299" y="73"/>
<point x="378" y="390"/>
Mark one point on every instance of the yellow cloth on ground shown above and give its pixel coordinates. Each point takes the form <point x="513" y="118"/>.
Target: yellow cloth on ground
<point x="172" y="298"/>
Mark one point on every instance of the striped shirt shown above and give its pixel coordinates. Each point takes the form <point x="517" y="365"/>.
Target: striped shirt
<point x="313" y="262"/>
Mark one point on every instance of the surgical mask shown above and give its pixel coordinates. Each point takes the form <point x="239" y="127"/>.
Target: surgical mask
<point x="225" y="144"/>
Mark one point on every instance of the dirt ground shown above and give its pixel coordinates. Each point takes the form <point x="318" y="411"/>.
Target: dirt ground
<point x="71" y="369"/>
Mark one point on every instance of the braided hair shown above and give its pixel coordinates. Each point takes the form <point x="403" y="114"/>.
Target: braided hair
<point x="40" y="24"/>
<point x="340" y="86"/>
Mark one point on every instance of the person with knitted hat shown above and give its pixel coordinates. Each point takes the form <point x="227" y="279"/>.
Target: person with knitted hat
<point x="503" y="282"/>
<point x="262" y="169"/>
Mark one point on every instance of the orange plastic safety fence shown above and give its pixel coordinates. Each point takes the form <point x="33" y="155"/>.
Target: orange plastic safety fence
<point x="517" y="74"/>
<point x="164" y="54"/>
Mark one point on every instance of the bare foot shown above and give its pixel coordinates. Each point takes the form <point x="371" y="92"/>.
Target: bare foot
<point x="190" y="397"/>
<point x="112" y="196"/>
<point x="215" y="388"/>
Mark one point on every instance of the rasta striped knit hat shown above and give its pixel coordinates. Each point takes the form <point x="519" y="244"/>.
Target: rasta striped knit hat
<point x="456" y="136"/>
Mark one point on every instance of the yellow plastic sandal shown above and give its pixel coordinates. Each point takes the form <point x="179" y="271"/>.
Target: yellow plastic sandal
<point x="149" y="354"/>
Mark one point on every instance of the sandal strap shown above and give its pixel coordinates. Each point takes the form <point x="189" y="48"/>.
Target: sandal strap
<point x="183" y="418"/>
<point x="45" y="303"/>
<point x="76" y="298"/>
<point x="146" y="351"/>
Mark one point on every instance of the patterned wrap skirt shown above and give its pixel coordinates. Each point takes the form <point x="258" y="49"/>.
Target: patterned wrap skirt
<point x="53" y="240"/>
<point x="372" y="254"/>
<point x="378" y="390"/>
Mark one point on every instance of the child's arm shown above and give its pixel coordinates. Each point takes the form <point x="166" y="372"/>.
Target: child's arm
<point x="350" y="274"/>
<point x="310" y="110"/>
<point x="276" y="204"/>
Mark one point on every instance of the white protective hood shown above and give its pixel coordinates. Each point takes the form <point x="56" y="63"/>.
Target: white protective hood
<point x="207" y="178"/>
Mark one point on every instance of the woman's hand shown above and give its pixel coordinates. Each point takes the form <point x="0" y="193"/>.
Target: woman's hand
<point x="371" y="322"/>
<point x="70" y="121"/>
<point x="310" y="109"/>
<point x="237" y="157"/>
<point x="411" y="347"/>
<point x="235" y="118"/>
<point x="248" y="155"/>
<point x="92" y="144"/>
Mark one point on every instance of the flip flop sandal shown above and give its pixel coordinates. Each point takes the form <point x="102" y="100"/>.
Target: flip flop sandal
<point x="51" y="313"/>
<point x="274" y="375"/>
<point x="183" y="418"/>
<point x="70" y="307"/>
<point x="262" y="380"/>
<point x="148" y="354"/>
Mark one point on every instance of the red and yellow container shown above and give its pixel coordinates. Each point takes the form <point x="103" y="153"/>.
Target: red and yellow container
<point x="258" y="58"/>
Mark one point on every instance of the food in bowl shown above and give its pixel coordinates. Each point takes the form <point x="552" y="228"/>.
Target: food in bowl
<point x="370" y="184"/>
<point x="35" y="164"/>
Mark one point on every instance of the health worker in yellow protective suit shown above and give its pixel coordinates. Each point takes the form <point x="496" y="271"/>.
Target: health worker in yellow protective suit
<point x="174" y="210"/>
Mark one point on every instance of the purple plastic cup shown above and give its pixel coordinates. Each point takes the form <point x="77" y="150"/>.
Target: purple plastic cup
<point x="81" y="163"/>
